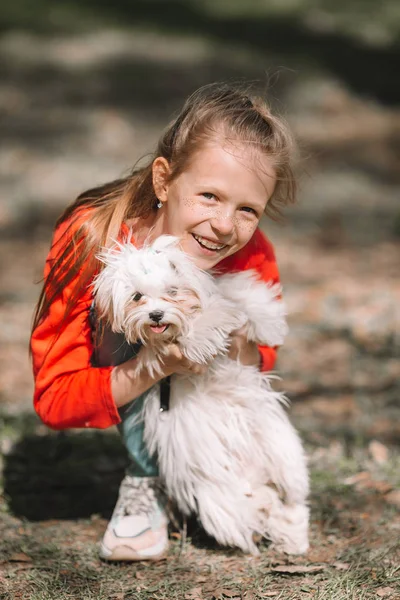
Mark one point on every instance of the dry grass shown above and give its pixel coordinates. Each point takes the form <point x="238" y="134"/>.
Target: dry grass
<point x="354" y="550"/>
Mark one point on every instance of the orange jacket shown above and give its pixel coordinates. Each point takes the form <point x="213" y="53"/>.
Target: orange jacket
<point x="69" y="391"/>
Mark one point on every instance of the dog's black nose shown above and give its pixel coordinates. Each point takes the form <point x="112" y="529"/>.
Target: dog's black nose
<point x="156" y="315"/>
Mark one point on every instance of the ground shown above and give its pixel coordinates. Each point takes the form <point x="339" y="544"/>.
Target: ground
<point x="74" y="117"/>
<point x="354" y="549"/>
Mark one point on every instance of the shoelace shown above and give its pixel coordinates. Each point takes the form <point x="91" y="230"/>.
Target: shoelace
<point x="138" y="496"/>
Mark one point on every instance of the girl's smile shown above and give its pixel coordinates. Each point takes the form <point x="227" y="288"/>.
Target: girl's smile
<point x="208" y="245"/>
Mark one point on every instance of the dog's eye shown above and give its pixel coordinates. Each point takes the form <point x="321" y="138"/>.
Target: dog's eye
<point x="173" y="291"/>
<point x="136" y="297"/>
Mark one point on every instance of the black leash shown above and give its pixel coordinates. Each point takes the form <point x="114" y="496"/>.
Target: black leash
<point x="165" y="391"/>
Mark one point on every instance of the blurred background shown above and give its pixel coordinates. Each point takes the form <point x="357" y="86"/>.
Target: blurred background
<point x="86" y="88"/>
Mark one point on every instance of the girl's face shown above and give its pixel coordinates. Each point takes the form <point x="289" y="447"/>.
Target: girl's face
<point x="215" y="205"/>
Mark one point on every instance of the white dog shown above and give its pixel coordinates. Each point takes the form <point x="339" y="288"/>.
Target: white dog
<point x="226" y="449"/>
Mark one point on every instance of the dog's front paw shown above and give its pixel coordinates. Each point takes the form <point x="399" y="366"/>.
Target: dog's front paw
<point x="288" y="528"/>
<point x="291" y="546"/>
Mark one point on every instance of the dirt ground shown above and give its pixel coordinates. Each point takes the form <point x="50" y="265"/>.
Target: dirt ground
<point x="73" y="118"/>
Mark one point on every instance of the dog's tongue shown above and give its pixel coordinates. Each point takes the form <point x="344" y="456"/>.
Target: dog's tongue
<point x="158" y="328"/>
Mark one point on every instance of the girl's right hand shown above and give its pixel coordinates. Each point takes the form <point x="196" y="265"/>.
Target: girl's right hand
<point x="126" y="385"/>
<point x="175" y="362"/>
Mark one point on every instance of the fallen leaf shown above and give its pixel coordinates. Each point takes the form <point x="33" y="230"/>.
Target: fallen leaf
<point x="364" y="481"/>
<point x="250" y="595"/>
<point x="140" y="575"/>
<point x="194" y="594"/>
<point x="378" y="452"/>
<point x="393" y="498"/>
<point x="380" y="486"/>
<point x="118" y="596"/>
<point x="267" y="594"/>
<point x="298" y="569"/>
<point x="209" y="587"/>
<point x="341" y="566"/>
<point x="359" y="477"/>
<point x="221" y="593"/>
<point x="382" y="592"/>
<point x="20" y="557"/>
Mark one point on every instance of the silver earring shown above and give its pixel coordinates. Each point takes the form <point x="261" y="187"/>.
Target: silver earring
<point x="159" y="204"/>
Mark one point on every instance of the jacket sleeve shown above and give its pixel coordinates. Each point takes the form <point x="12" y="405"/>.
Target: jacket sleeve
<point x="259" y="255"/>
<point x="69" y="392"/>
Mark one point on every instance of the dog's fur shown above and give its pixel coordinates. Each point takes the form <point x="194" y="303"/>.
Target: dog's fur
<point x="226" y="448"/>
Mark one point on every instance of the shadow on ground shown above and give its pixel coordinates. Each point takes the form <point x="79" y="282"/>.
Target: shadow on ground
<point x="65" y="475"/>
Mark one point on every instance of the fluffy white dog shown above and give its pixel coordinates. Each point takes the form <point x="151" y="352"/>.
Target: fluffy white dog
<point x="226" y="448"/>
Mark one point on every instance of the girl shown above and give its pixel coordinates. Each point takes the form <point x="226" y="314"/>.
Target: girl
<point x="218" y="167"/>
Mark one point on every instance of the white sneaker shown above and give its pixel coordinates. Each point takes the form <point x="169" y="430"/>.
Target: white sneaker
<point x="138" y="529"/>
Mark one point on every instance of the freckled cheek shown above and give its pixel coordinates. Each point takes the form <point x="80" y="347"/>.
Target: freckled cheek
<point x="192" y="204"/>
<point x="188" y="202"/>
<point x="197" y="208"/>
<point x="244" y="232"/>
<point x="248" y="227"/>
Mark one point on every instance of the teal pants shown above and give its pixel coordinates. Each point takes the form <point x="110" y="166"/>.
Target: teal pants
<point x="111" y="348"/>
<point x="131" y="430"/>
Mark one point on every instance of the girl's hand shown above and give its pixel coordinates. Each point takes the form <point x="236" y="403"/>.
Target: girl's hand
<point x="176" y="362"/>
<point x="126" y="384"/>
<point x="241" y="349"/>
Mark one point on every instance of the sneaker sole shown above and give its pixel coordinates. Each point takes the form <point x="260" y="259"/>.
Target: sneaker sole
<point x="125" y="553"/>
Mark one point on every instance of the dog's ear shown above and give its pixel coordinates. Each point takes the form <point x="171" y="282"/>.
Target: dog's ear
<point x="110" y="286"/>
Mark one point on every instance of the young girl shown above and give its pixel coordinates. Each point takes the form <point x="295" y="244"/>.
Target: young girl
<point x="218" y="167"/>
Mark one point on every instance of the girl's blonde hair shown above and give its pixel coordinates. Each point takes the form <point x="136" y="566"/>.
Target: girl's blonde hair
<point x="211" y="112"/>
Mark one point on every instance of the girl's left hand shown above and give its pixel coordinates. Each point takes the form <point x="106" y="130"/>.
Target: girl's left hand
<point x="243" y="350"/>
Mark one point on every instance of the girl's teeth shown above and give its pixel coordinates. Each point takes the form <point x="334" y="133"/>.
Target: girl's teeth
<point x="208" y="244"/>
